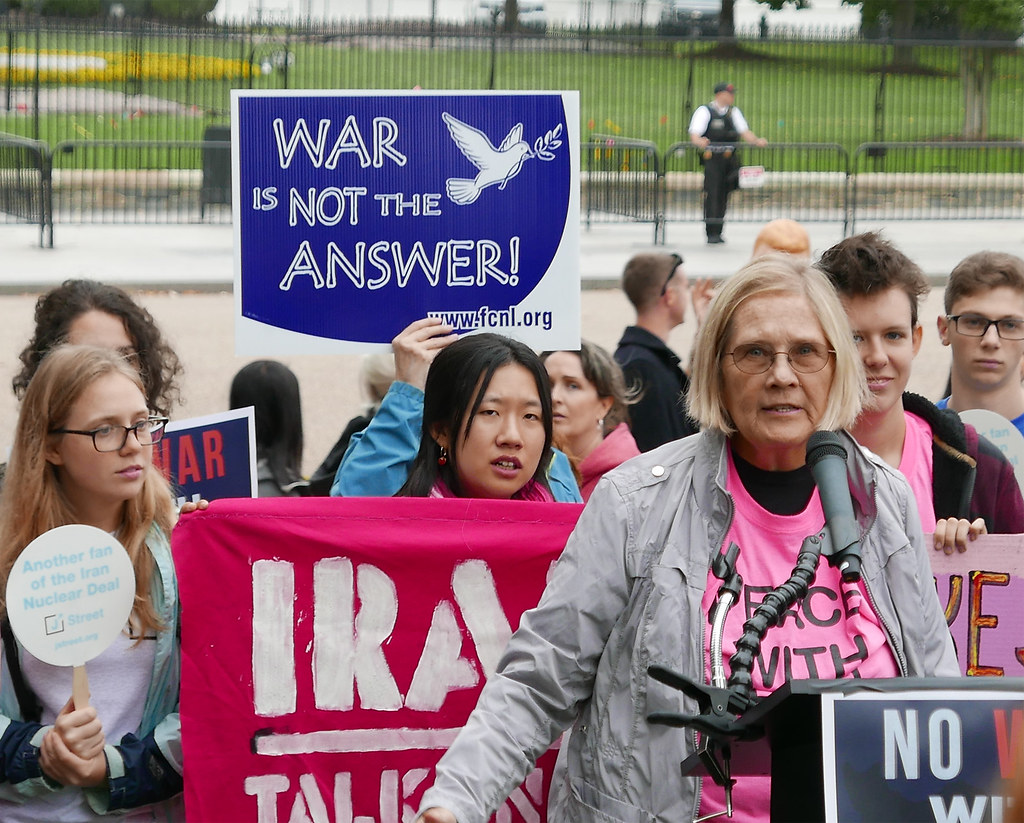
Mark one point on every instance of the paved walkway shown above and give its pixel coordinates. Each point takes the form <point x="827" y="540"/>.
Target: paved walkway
<point x="200" y="257"/>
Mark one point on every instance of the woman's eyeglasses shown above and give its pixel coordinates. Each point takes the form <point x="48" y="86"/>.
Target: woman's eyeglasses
<point x="805" y="358"/>
<point x="111" y="437"/>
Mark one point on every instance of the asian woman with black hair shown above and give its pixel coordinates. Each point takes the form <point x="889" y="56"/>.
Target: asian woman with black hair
<point x="401" y="447"/>
<point x="487" y="423"/>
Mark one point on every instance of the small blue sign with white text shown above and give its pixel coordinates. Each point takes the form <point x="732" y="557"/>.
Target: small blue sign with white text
<point x="210" y="457"/>
<point x="357" y="214"/>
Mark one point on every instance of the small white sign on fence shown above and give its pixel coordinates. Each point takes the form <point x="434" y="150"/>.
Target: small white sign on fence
<point x="751" y="177"/>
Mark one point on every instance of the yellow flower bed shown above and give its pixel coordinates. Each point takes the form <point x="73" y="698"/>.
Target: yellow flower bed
<point x="85" y="68"/>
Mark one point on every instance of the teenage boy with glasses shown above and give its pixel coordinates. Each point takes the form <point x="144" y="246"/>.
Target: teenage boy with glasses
<point x="984" y="327"/>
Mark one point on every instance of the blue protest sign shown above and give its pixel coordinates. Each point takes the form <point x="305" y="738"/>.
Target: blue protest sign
<point x="210" y="457"/>
<point x="925" y="756"/>
<point x="356" y="214"/>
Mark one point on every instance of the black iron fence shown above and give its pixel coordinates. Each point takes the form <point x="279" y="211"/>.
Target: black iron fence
<point x="914" y="181"/>
<point x="135" y="113"/>
<point x="622" y="181"/>
<point x="156" y="181"/>
<point x="136" y="80"/>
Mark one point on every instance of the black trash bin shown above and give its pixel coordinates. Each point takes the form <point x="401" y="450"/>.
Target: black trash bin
<point x="216" y="168"/>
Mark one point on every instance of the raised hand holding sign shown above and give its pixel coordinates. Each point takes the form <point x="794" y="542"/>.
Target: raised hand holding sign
<point x="68" y="597"/>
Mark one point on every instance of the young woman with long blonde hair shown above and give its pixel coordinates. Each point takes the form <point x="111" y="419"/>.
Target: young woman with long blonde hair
<point x="83" y="454"/>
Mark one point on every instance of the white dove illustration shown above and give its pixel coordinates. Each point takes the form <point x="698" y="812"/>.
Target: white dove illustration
<point x="497" y="165"/>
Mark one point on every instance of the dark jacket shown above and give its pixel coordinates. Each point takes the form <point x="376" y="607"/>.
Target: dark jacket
<point x="660" y="413"/>
<point x="323" y="478"/>
<point x="971" y="478"/>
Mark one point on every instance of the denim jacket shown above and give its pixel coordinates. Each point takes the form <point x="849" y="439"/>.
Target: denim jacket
<point x="143" y="768"/>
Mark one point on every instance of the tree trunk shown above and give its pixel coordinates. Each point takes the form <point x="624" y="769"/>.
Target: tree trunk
<point x="511" y="15"/>
<point x="727" y="19"/>
<point x="976" y="79"/>
<point x="902" y="30"/>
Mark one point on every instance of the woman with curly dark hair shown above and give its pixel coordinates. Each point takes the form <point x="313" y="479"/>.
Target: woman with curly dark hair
<point x="93" y="313"/>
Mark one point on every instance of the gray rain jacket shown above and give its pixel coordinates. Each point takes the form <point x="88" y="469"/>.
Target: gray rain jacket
<point x="626" y="593"/>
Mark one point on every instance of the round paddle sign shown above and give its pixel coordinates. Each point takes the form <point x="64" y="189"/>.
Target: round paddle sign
<point x="70" y="593"/>
<point x="1003" y="434"/>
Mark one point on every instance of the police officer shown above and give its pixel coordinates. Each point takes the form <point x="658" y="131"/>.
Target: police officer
<point x="715" y="129"/>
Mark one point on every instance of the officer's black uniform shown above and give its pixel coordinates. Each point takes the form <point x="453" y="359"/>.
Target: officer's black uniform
<point x="721" y="170"/>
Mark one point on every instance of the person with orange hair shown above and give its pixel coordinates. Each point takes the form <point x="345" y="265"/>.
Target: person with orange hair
<point x="785" y="236"/>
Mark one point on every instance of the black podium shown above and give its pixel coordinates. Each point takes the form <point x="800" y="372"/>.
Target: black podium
<point x="902" y="749"/>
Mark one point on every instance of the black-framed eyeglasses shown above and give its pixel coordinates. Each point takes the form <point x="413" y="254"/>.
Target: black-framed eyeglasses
<point x="976" y="325"/>
<point x="111" y="437"/>
<point x="756" y="358"/>
<point x="677" y="261"/>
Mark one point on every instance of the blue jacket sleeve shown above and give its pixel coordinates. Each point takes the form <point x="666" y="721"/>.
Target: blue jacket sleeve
<point x="562" y="481"/>
<point x="19" y="758"/>
<point x="377" y="460"/>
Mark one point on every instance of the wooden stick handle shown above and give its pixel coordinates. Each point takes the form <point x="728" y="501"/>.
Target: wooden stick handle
<point x="80" y="687"/>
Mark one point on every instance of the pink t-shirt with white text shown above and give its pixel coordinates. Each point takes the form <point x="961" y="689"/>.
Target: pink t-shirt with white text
<point x="831" y="633"/>
<point x="916" y="466"/>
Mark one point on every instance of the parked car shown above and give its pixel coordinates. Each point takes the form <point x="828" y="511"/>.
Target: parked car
<point x="682" y="17"/>
<point x="492" y="12"/>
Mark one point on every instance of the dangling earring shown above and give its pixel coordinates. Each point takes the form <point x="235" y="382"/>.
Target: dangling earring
<point x="442" y="459"/>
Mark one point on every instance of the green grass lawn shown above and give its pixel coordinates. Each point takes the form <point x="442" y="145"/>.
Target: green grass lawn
<point x="790" y="92"/>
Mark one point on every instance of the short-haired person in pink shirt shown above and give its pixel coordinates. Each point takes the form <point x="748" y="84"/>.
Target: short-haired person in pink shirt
<point x="774" y="365"/>
<point x="963" y="484"/>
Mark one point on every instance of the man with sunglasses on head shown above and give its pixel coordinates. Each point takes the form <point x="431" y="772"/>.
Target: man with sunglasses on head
<point x="984" y="327"/>
<point x="657" y="287"/>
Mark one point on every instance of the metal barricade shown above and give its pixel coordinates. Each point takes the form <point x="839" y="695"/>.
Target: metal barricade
<point x="25" y="192"/>
<point x="808" y="182"/>
<point x="620" y="182"/>
<point x="938" y="181"/>
<point x="153" y="181"/>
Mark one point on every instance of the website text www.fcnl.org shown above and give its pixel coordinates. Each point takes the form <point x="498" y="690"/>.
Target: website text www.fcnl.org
<point x="488" y="318"/>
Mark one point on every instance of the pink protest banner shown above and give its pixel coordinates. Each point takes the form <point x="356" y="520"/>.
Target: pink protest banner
<point x="982" y="592"/>
<point x="332" y="648"/>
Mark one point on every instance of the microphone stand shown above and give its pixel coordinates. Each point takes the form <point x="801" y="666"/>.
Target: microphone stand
<point x="723" y="703"/>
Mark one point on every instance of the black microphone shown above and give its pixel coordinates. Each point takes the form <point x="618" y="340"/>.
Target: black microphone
<point x="826" y="455"/>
